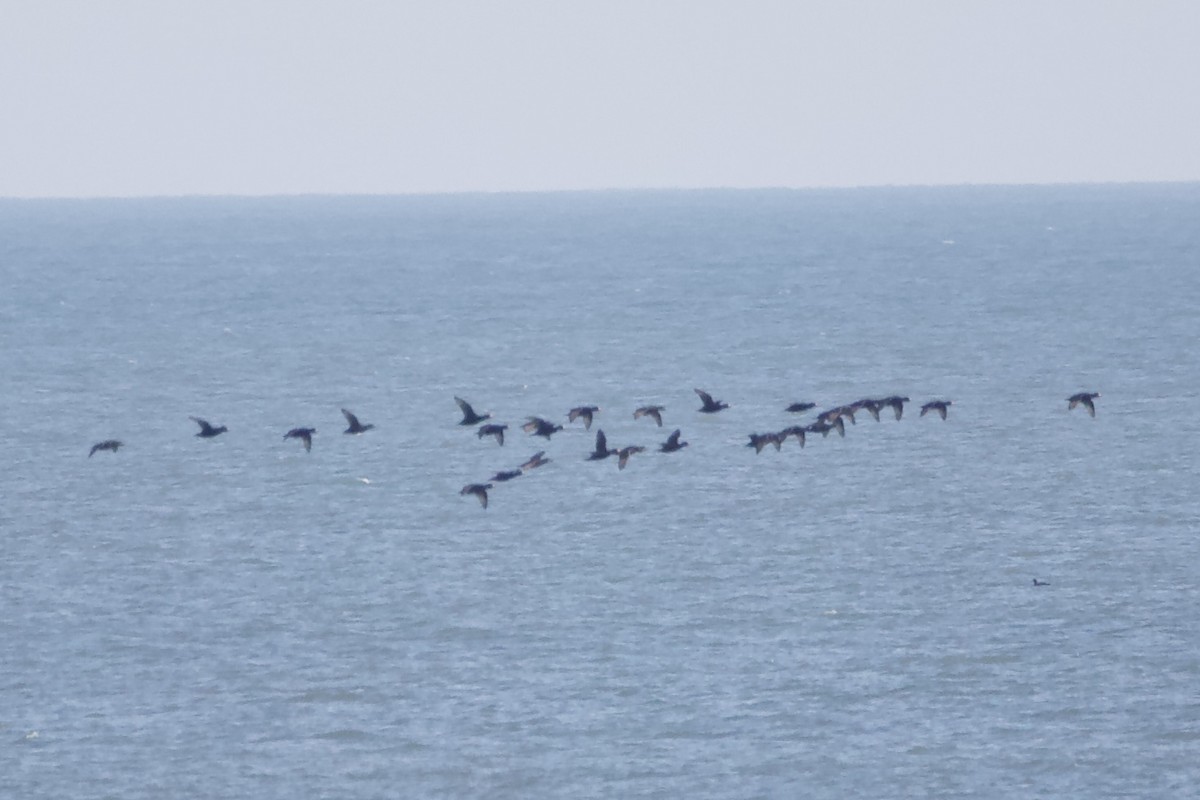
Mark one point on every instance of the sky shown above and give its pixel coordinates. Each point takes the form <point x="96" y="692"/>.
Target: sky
<point x="264" y="97"/>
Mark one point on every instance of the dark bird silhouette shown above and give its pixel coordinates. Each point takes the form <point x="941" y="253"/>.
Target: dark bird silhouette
<point x="355" y="425"/>
<point x="304" y="434"/>
<point x="492" y="430"/>
<point x="1085" y="399"/>
<point x="207" y="431"/>
<point x="872" y="407"/>
<point x="584" y="413"/>
<point x="540" y="427"/>
<point x="672" y="443"/>
<point x="469" y="415"/>
<point x="939" y="406"/>
<point x="710" y="406"/>
<point x="479" y="490"/>
<point x="797" y="408"/>
<point x="760" y="440"/>
<point x="1036" y="582"/>
<point x="537" y="460"/>
<point x="654" y="412"/>
<point x="822" y="428"/>
<point x="107" y="444"/>
<point x="896" y="402"/>
<point x="602" y="450"/>
<point x="624" y="453"/>
<point x="834" y="414"/>
<point x="795" y="430"/>
<point x="506" y="475"/>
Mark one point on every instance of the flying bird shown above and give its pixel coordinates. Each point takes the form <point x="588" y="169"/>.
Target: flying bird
<point x="760" y="440"/>
<point x="602" y="450"/>
<point x="207" y="431"/>
<point x="469" y="415"/>
<point x="654" y="412"/>
<point x="537" y="460"/>
<point x="710" y="406"/>
<point x="355" y="425"/>
<point x="896" y="402"/>
<point x="672" y="443"/>
<point x="624" y="453"/>
<point x="304" y="434"/>
<point x="479" y="490"/>
<point x="583" y="412"/>
<point x="1085" y="399"/>
<point x="506" y="475"/>
<point x="107" y="444"/>
<point x="493" y="430"/>
<point x="939" y="406"/>
<point x="540" y="427"/>
<point x="797" y="408"/>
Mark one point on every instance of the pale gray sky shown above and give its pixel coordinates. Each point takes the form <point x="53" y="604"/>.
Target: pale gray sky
<point x="155" y="97"/>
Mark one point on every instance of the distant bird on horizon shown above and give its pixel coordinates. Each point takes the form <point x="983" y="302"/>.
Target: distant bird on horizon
<point x="797" y="408"/>
<point x="654" y="412"/>
<point x="492" y="430"/>
<point x="1085" y="399"/>
<point x="540" y="427"/>
<point x="355" y="426"/>
<point x="625" y="452"/>
<point x="107" y="444"/>
<point x="672" y="444"/>
<point x="207" y="431"/>
<point x="469" y="415"/>
<point x="304" y="434"/>
<point x="601" y="450"/>
<point x="479" y="490"/>
<point x="939" y="406"/>
<point x="710" y="406"/>
<point x="583" y="412"/>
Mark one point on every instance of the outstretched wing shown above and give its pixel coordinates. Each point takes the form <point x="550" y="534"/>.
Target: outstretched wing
<point x="465" y="406"/>
<point x="601" y="441"/>
<point x="673" y="439"/>
<point x="350" y="418"/>
<point x="705" y="397"/>
<point x="204" y="426"/>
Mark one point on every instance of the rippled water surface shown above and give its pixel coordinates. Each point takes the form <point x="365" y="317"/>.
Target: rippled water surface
<point x="238" y="618"/>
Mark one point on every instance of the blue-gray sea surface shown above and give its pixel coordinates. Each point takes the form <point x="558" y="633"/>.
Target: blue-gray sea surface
<point x="236" y="617"/>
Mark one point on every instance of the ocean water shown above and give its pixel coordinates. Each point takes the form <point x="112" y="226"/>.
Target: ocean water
<point x="236" y="617"/>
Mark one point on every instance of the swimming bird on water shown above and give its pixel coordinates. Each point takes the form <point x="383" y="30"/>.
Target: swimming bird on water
<point x="672" y="443"/>
<point x="710" y="406"/>
<point x="1036" y="582"/>
<point x="107" y="444"/>
<point x="492" y="430"/>
<point x="207" y="431"/>
<point x="797" y="408"/>
<point x="477" y="489"/>
<point x="355" y="425"/>
<point x="304" y="434"/>
<point x="654" y="412"/>
<point x="602" y="450"/>
<point x="624" y="453"/>
<point x="535" y="461"/>
<point x="540" y="427"/>
<point x="583" y="412"/>
<point x="939" y="406"/>
<point x="1085" y="399"/>
<point x="469" y="415"/>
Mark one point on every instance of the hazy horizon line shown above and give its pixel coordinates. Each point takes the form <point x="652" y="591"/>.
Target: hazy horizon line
<point x="601" y="190"/>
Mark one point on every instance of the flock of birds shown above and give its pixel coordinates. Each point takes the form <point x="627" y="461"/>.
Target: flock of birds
<point x="827" y="421"/>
